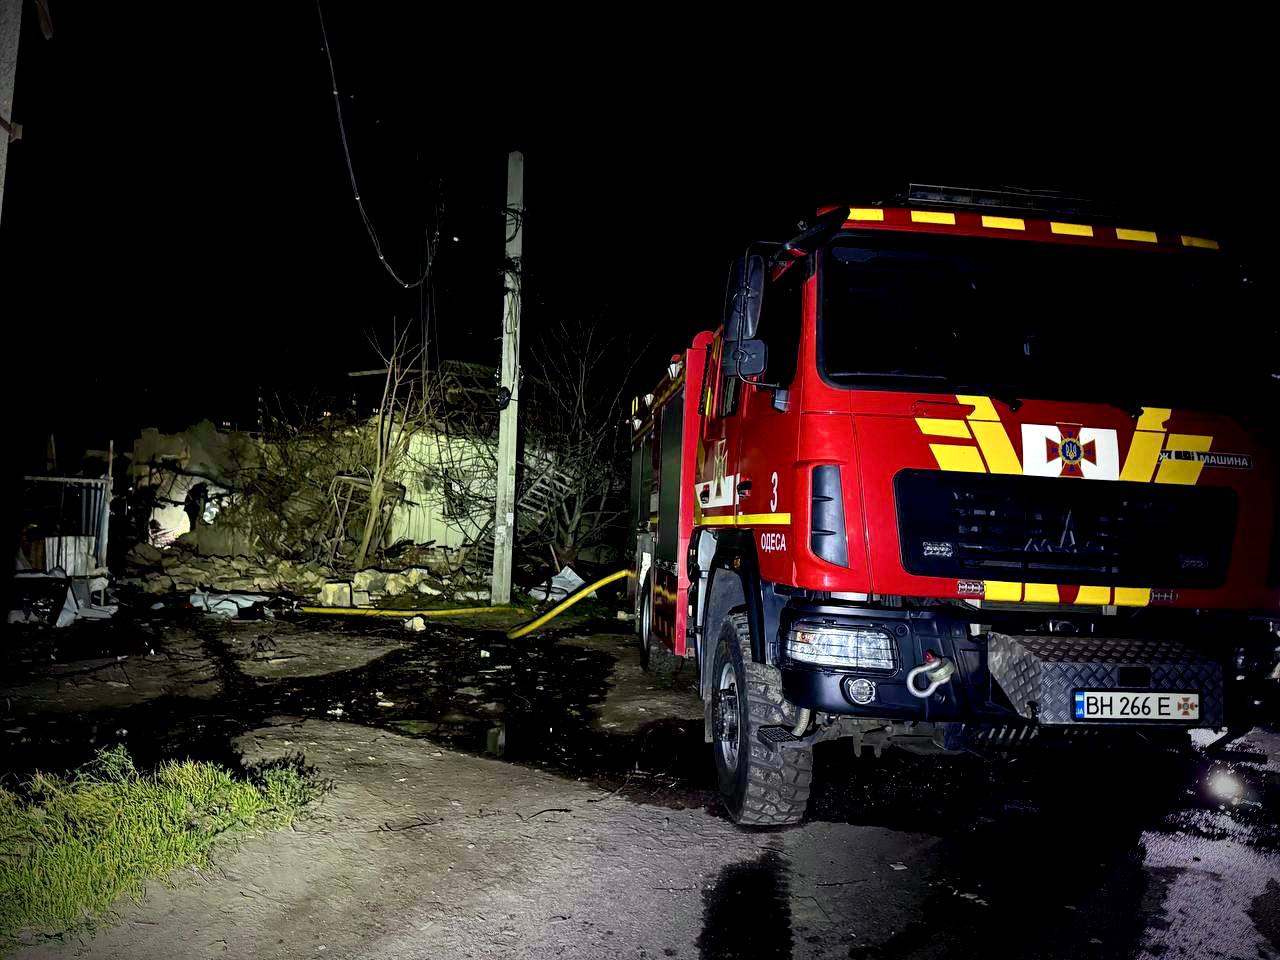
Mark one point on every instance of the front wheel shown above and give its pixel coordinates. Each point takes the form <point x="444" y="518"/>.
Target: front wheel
<point x="761" y="785"/>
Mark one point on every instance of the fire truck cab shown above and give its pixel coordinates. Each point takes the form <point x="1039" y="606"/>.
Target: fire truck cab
<point x="954" y="471"/>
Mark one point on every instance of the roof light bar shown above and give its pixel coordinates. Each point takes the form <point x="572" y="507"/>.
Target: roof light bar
<point x="1003" y="199"/>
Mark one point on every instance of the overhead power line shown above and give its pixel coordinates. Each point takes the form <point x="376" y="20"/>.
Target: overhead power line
<point x="355" y="186"/>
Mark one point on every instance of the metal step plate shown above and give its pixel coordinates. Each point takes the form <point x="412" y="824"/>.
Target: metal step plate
<point x="1040" y="674"/>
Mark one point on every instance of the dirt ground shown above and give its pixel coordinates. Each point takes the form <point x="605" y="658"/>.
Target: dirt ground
<point x="546" y="798"/>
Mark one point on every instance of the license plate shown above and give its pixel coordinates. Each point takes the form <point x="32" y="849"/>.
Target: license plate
<point x="1141" y="705"/>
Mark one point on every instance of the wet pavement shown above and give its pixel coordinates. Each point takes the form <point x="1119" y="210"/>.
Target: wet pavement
<point x="1047" y="853"/>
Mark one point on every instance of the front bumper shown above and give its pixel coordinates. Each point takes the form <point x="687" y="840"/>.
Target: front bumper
<point x="999" y="677"/>
<point x="914" y="632"/>
<point x="1040" y="674"/>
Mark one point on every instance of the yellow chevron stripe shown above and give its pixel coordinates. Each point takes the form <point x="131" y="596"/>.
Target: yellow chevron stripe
<point x="942" y="427"/>
<point x="1185" y="472"/>
<point x="983" y="408"/>
<point x="996" y="447"/>
<point x="953" y="456"/>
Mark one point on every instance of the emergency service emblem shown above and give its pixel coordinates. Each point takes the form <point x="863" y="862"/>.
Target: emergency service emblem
<point x="1070" y="450"/>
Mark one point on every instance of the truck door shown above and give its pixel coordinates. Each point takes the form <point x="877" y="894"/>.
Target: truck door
<point x="766" y="425"/>
<point x="667" y="440"/>
<point x="716" y="492"/>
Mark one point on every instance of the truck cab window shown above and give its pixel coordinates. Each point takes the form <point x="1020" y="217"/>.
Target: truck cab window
<point x="780" y="322"/>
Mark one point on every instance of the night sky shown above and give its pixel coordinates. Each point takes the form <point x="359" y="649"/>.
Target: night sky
<point x="179" y="230"/>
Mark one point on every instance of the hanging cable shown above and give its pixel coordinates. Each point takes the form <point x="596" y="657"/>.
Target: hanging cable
<point x="355" y="187"/>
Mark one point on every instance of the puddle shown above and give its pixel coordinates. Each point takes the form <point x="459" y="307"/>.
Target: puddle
<point x="531" y="701"/>
<point x="746" y="912"/>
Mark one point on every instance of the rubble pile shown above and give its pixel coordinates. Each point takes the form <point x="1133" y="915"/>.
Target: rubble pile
<point x="183" y="570"/>
<point x="179" y="568"/>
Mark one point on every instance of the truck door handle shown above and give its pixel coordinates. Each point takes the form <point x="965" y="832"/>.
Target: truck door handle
<point x="744" y="488"/>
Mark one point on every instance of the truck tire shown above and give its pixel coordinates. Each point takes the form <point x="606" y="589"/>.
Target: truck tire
<point x="761" y="785"/>
<point x="654" y="657"/>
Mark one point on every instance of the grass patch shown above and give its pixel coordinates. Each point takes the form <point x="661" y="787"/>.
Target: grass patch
<point x="71" y="846"/>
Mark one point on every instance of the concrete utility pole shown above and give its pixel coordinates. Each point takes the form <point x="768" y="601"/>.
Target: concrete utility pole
<point x="10" y="28"/>
<point x="504" y="514"/>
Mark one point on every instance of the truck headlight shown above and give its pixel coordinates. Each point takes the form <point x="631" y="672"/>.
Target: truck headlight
<point x="861" y="648"/>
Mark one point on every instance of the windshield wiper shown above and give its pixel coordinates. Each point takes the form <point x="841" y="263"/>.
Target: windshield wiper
<point x="1008" y="399"/>
<point x="1131" y="407"/>
<point x="1004" y="394"/>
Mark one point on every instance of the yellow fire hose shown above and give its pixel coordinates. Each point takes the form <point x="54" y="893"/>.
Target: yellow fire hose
<point x="566" y="603"/>
<point x="514" y="634"/>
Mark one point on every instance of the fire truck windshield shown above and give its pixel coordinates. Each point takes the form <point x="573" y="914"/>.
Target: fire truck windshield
<point x="944" y="314"/>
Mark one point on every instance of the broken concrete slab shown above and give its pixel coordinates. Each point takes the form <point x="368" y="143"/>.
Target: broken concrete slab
<point x="335" y="593"/>
<point x="144" y="555"/>
<point x="158" y="583"/>
<point x="373" y="581"/>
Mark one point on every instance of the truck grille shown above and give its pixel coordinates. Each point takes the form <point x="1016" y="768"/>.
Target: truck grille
<point x="1047" y="530"/>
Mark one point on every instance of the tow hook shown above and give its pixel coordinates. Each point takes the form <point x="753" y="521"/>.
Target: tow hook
<point x="937" y="670"/>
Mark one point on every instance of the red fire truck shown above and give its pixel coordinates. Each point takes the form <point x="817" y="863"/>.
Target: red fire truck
<point x="958" y="469"/>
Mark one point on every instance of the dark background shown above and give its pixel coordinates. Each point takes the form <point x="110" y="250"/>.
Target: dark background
<point x="179" y="234"/>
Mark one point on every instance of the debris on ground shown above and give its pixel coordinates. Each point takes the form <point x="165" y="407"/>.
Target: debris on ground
<point x="336" y="593"/>
<point x="563" y="584"/>
<point x="415" y="624"/>
<point x="179" y="568"/>
<point x="228" y="606"/>
<point x="55" y="599"/>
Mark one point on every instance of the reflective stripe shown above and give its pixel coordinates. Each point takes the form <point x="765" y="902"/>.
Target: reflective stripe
<point x="1199" y="242"/>
<point x="1139" y="236"/>
<point x="866" y="213"/>
<point x="1041" y="593"/>
<point x="1144" y="454"/>
<point x="1133" y="596"/>
<point x="1185" y="472"/>
<point x="1153" y="418"/>
<point x="763" y="519"/>
<point x="932" y="216"/>
<point x="1001" y="590"/>
<point x="953" y="456"/>
<point x="1094" y="595"/>
<point x="1004" y="223"/>
<point x="941" y="427"/>
<point x="748" y="520"/>
<point x="1071" y="229"/>
<point x="983" y="408"/>
<point x="996" y="447"/>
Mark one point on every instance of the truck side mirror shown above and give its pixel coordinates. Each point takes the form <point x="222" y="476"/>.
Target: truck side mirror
<point x="743" y="297"/>
<point x="745" y="358"/>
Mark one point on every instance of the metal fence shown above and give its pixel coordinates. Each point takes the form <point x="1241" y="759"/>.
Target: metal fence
<point x="72" y="515"/>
